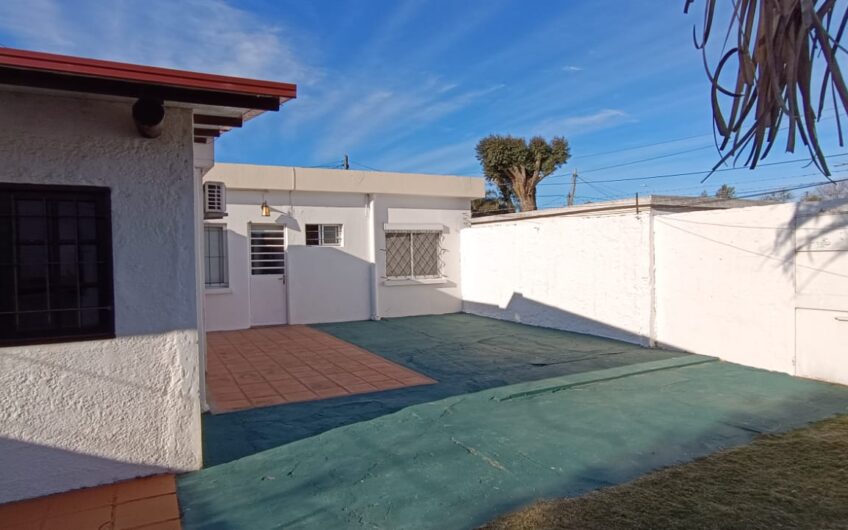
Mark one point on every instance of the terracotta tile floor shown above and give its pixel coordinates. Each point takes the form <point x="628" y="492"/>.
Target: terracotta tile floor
<point x="145" y="504"/>
<point x="283" y="364"/>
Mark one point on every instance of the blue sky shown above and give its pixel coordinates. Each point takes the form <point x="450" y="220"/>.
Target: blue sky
<point x="413" y="85"/>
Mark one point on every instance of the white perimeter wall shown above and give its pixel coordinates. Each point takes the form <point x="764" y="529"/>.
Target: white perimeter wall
<point x="764" y="286"/>
<point x="730" y="283"/>
<point x="589" y="274"/>
<point x="85" y="413"/>
<point x="333" y="284"/>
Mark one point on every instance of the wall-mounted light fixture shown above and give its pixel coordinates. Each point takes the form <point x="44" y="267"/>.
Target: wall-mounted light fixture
<point x="266" y="210"/>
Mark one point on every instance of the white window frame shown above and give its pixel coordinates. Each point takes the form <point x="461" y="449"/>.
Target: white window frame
<point x="225" y="272"/>
<point x="321" y="242"/>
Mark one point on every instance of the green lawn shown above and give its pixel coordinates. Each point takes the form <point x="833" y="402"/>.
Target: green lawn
<point x="794" y="480"/>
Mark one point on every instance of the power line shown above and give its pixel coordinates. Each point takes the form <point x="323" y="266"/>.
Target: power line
<point x="691" y="173"/>
<point x="649" y="159"/>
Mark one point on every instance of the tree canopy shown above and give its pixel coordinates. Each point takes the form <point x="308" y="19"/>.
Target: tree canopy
<point x="516" y="166"/>
<point x="725" y="192"/>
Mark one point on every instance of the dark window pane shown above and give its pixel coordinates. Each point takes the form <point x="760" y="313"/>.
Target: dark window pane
<point x="34" y="321"/>
<point x="7" y="239"/>
<point x="66" y="208"/>
<point x="89" y="297"/>
<point x="64" y="297"/>
<point x="91" y="318"/>
<point x="66" y="319"/>
<point x="7" y="325"/>
<point x="67" y="228"/>
<point x="86" y="209"/>
<point x="313" y="235"/>
<point x="32" y="254"/>
<point x="88" y="273"/>
<point x="25" y="207"/>
<point x="7" y="288"/>
<point x="32" y="229"/>
<point x="87" y="229"/>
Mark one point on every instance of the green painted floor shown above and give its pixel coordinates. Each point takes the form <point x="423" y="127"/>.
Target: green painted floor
<point x="458" y="462"/>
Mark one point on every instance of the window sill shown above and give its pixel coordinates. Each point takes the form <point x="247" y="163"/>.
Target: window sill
<point x="415" y="281"/>
<point x="217" y="290"/>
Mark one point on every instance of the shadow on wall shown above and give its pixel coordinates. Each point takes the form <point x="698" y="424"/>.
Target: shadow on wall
<point x="534" y="313"/>
<point x="32" y="470"/>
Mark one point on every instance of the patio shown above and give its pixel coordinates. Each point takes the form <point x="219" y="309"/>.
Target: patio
<point x="286" y="364"/>
<point x="518" y="413"/>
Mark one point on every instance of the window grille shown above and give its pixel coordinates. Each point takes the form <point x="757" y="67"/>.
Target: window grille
<point x="55" y="264"/>
<point x="267" y="250"/>
<point x="324" y="235"/>
<point x="412" y="254"/>
<point x="215" y="256"/>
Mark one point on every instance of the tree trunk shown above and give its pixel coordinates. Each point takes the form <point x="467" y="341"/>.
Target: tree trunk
<point x="528" y="202"/>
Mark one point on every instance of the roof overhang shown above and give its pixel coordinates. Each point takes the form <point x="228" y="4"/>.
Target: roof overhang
<point x="222" y="102"/>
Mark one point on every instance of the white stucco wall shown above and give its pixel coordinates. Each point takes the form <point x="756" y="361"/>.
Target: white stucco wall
<point x="731" y="284"/>
<point x="85" y="413"/>
<point x="589" y="274"/>
<point x="333" y="284"/>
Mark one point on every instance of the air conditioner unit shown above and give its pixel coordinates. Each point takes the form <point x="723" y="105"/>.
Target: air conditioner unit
<point x="214" y="200"/>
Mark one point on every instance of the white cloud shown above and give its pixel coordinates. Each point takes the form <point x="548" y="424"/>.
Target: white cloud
<point x="572" y="68"/>
<point x="210" y="36"/>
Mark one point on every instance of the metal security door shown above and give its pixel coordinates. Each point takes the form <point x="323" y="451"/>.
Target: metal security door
<point x="267" y="275"/>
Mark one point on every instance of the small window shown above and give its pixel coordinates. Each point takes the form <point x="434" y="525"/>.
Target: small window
<point x="413" y="254"/>
<point x="55" y="264"/>
<point x="215" y="256"/>
<point x="324" y="235"/>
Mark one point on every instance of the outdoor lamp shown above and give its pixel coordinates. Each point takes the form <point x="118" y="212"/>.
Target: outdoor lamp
<point x="266" y="210"/>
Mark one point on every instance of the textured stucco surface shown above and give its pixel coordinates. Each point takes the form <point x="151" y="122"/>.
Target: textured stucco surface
<point x="85" y="413"/>
<point x="731" y="283"/>
<point x="589" y="274"/>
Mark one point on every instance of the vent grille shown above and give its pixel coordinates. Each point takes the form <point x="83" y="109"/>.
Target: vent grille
<point x="214" y="200"/>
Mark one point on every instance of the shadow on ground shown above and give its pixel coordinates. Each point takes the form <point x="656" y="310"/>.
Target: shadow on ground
<point x="460" y="461"/>
<point x="464" y="353"/>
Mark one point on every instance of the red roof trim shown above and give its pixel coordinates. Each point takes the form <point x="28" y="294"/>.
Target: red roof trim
<point x="65" y="64"/>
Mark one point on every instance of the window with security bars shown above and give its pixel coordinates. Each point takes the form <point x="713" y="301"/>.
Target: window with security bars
<point x="215" y="256"/>
<point x="55" y="264"/>
<point x="267" y="250"/>
<point x="413" y="254"/>
<point x="324" y="235"/>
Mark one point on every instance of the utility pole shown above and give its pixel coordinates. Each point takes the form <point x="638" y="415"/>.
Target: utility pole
<point x="570" y="201"/>
<point x="346" y="163"/>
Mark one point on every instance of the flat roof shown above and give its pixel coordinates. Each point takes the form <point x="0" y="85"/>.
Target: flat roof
<point x="223" y="101"/>
<point x="288" y="178"/>
<point x="658" y="203"/>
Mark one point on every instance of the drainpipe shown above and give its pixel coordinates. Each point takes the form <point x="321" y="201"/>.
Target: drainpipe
<point x="372" y="255"/>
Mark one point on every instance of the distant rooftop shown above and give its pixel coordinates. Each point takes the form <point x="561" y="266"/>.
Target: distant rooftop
<point x="656" y="203"/>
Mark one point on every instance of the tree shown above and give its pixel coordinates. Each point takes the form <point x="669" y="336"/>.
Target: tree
<point x="491" y="204"/>
<point x="516" y="166"/>
<point x="778" y="196"/>
<point x="784" y="59"/>
<point x="725" y="192"/>
<point x="837" y="190"/>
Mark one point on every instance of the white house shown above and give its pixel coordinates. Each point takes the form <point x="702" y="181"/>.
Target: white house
<point x="303" y="245"/>
<point x="101" y="338"/>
